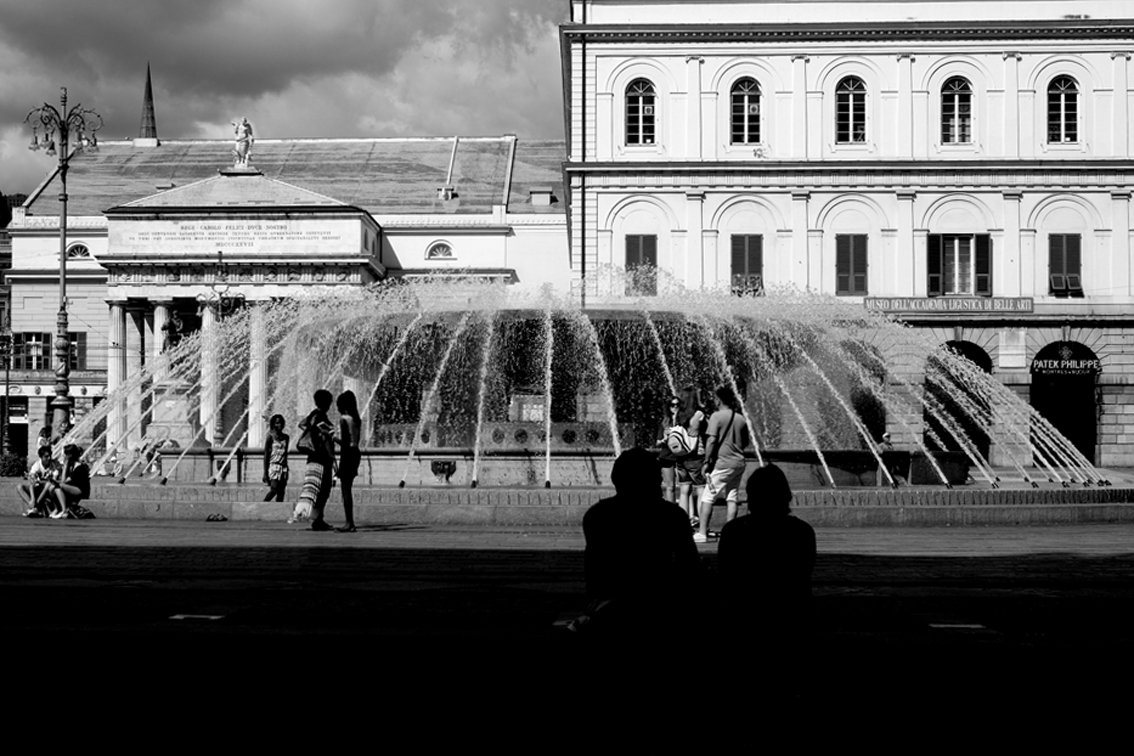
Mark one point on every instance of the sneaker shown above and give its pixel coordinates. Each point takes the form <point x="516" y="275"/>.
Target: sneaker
<point x="321" y="525"/>
<point x="33" y="512"/>
<point x="699" y="537"/>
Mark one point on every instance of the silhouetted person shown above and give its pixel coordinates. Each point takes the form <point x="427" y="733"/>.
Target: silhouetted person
<point x="641" y="564"/>
<point x="765" y="560"/>
<point x="317" y="476"/>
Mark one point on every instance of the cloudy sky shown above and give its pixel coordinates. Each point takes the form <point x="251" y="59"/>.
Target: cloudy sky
<point x="293" y="67"/>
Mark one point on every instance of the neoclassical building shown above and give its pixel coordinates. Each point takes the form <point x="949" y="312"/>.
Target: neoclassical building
<point x="162" y="234"/>
<point x="965" y="166"/>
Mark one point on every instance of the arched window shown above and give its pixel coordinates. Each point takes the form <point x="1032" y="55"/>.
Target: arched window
<point x="746" y="112"/>
<point x="439" y="251"/>
<point x="78" y="251"/>
<point x="640" y="99"/>
<point x="957" y="111"/>
<point x="850" y="111"/>
<point x="1063" y="110"/>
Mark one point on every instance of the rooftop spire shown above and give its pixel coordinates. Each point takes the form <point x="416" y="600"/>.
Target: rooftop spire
<point x="148" y="129"/>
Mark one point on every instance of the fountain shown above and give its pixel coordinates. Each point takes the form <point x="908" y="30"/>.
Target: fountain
<point x="465" y="385"/>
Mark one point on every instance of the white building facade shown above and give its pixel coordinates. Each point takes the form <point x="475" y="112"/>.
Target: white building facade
<point x="963" y="165"/>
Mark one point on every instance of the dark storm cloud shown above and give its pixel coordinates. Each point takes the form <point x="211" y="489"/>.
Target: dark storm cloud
<point x="294" y="67"/>
<point x="248" y="47"/>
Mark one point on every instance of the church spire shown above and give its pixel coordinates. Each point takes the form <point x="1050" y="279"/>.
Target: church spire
<point x="148" y="129"/>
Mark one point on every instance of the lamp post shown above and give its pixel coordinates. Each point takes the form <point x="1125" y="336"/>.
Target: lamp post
<point x="6" y="353"/>
<point x="82" y="124"/>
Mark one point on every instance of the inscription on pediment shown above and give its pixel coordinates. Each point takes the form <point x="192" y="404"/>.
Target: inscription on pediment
<point x="287" y="237"/>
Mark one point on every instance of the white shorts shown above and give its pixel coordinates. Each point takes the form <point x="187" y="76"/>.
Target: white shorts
<point x="723" y="480"/>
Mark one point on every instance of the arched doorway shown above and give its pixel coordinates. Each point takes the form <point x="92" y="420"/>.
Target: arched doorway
<point x="959" y="404"/>
<point x="1064" y="385"/>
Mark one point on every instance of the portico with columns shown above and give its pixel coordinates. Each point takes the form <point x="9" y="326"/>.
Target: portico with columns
<point x="182" y="260"/>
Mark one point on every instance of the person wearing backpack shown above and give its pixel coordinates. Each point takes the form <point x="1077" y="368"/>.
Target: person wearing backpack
<point x="688" y="437"/>
<point x="726" y="438"/>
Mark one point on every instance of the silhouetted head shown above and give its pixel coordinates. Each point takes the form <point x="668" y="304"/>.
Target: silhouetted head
<point x="727" y="397"/>
<point x="277" y="422"/>
<point x="768" y="491"/>
<point x="636" y="471"/>
<point x="73" y="451"/>
<point x="323" y="399"/>
<point x="45" y="452"/>
<point x="347" y="404"/>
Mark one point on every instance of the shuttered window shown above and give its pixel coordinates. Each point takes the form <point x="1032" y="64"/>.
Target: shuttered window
<point x="959" y="265"/>
<point x="78" y="351"/>
<point x="747" y="265"/>
<point x="850" y="264"/>
<point x="641" y="265"/>
<point x="1065" y="265"/>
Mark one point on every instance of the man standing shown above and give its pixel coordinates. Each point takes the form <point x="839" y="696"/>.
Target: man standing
<point x="725" y="442"/>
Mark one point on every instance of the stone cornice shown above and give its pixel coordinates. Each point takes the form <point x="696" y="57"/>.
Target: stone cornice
<point x="1112" y="176"/>
<point x="1063" y="29"/>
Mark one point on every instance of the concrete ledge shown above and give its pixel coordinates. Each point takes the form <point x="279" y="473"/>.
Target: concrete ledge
<point x="849" y="507"/>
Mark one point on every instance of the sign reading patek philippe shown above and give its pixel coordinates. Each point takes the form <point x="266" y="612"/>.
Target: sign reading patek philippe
<point x="247" y="236"/>
<point x="948" y="304"/>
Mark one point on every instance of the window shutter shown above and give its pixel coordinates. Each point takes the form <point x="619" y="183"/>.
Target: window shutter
<point x="739" y="256"/>
<point x="633" y="251"/>
<point x="858" y="264"/>
<point x="755" y="255"/>
<point x="1057" y="263"/>
<point x="983" y="265"/>
<point x="650" y="251"/>
<point x="1072" y="256"/>
<point x="842" y="264"/>
<point x="1074" y="261"/>
<point x="934" y="264"/>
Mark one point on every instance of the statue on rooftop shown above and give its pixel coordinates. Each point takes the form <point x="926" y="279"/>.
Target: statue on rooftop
<point x="243" y="150"/>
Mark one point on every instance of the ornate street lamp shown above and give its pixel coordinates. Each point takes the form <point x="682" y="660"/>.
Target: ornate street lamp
<point x="218" y="297"/>
<point x="79" y="125"/>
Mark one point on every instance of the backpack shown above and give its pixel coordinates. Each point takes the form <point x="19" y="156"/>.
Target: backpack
<point x="678" y="441"/>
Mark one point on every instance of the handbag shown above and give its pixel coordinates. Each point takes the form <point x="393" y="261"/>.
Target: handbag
<point x="305" y="442"/>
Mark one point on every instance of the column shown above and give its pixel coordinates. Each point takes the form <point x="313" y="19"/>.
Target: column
<point x="1121" y="107"/>
<point x="210" y="390"/>
<point x="1011" y="104"/>
<point x="162" y="309"/>
<point x="258" y="376"/>
<point x="1006" y="264"/>
<point x="815" y="262"/>
<point x="694" y="251"/>
<point x="905" y="282"/>
<point x="799" y="106"/>
<point x="1120" y="241"/>
<point x="693" y="104"/>
<point x="710" y="269"/>
<point x="116" y="376"/>
<point x="905" y="107"/>
<point x="135" y="346"/>
<point x="799" y="241"/>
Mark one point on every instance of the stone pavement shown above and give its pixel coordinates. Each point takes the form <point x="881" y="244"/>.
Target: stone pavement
<point x="987" y="541"/>
<point x="956" y="616"/>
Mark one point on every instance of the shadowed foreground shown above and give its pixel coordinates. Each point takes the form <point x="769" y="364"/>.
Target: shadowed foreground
<point x="994" y="615"/>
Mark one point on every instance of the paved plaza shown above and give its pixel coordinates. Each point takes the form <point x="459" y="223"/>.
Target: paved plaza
<point x="982" y="613"/>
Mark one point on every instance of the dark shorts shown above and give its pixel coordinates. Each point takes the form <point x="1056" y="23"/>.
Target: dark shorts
<point x="689" y="471"/>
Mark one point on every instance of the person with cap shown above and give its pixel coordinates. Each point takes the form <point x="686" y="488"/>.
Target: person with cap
<point x="74" y="484"/>
<point x="640" y="562"/>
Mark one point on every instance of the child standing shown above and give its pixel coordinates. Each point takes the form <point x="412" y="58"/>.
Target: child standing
<point x="275" y="459"/>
